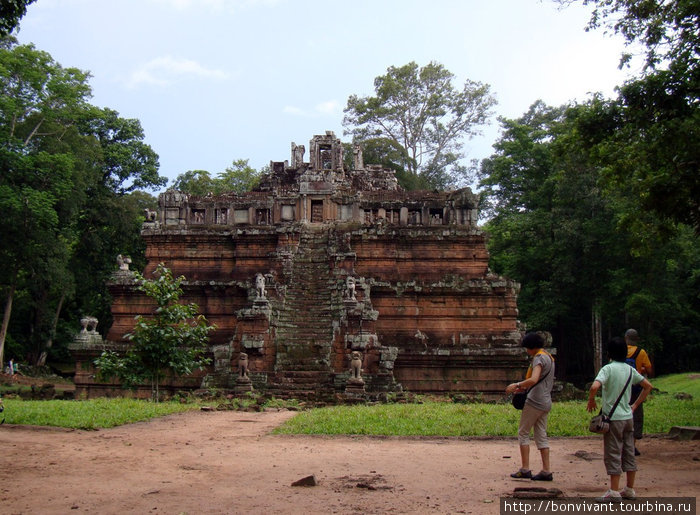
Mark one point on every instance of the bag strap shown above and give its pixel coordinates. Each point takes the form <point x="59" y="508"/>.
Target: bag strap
<point x="542" y="377"/>
<point x="635" y="355"/>
<point x="619" y="397"/>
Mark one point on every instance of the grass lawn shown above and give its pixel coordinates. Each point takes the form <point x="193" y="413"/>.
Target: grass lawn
<point x="431" y="418"/>
<point x="90" y="414"/>
<point x="662" y="411"/>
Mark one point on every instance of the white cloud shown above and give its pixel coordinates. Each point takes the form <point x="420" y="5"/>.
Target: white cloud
<point x="327" y="108"/>
<point x="295" y="111"/>
<point x="163" y="71"/>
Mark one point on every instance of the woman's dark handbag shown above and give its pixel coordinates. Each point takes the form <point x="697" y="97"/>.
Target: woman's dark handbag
<point x="519" y="399"/>
<point x="601" y="423"/>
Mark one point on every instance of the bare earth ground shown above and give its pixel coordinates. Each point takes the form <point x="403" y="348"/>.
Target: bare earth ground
<point x="227" y="462"/>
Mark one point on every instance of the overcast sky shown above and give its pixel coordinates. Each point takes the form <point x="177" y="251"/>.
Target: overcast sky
<point x="217" y="80"/>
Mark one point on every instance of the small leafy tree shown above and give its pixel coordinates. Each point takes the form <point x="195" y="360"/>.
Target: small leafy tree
<point x="172" y="340"/>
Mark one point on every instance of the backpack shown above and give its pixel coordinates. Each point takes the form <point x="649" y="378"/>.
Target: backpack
<point x="632" y="361"/>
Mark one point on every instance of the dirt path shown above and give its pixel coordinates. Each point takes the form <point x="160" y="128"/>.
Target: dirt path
<point x="226" y="462"/>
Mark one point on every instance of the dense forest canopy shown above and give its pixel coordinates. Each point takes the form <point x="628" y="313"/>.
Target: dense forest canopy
<point x="69" y="197"/>
<point x="595" y="206"/>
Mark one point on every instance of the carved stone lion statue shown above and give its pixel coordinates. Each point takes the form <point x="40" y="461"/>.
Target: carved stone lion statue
<point x="260" y="285"/>
<point x="243" y="366"/>
<point x="350" y="288"/>
<point x="355" y="365"/>
<point x="123" y="262"/>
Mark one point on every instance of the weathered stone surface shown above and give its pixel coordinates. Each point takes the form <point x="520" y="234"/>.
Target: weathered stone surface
<point x="306" y="481"/>
<point x="345" y="261"/>
<point x="684" y="433"/>
<point x="588" y="456"/>
<point x="535" y="492"/>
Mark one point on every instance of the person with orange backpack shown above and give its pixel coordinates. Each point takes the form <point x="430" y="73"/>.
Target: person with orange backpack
<point x="638" y="359"/>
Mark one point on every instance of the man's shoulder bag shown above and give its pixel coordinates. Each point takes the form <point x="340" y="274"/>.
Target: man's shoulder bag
<point x="601" y="422"/>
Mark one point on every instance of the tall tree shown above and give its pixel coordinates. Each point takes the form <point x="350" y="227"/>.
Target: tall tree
<point x="567" y="240"/>
<point x="111" y="218"/>
<point x="667" y="28"/>
<point x="420" y="110"/>
<point x="66" y="165"/>
<point x="547" y="229"/>
<point x="35" y="243"/>
<point x="11" y="11"/>
<point x="38" y="101"/>
<point x="657" y="115"/>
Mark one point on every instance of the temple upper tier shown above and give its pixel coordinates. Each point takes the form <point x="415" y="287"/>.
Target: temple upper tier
<point x="322" y="190"/>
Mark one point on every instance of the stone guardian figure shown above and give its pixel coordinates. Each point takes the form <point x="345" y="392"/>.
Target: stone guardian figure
<point x="243" y="367"/>
<point x="260" y="286"/>
<point x="350" y="288"/>
<point x="356" y="368"/>
<point x="123" y="262"/>
<point x="243" y="381"/>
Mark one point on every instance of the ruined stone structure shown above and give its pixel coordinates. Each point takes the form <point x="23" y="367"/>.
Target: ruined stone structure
<point x="320" y="263"/>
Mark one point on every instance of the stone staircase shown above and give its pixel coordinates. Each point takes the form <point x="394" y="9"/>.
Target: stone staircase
<point x="304" y="323"/>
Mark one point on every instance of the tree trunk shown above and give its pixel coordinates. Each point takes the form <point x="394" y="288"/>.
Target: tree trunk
<point x="54" y="323"/>
<point x="6" y="318"/>
<point x="155" y="393"/>
<point x="597" y="334"/>
<point x="31" y="134"/>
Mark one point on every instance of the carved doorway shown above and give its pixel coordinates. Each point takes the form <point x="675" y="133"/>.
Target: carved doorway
<point x="316" y="211"/>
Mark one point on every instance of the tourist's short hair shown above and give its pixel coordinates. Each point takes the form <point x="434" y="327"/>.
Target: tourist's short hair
<point x="617" y="349"/>
<point x="532" y="341"/>
<point x="632" y="335"/>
